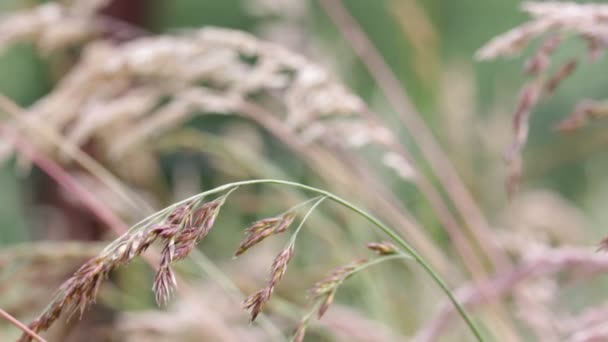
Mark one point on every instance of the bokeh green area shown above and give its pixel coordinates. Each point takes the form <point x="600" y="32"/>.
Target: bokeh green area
<point x="429" y="45"/>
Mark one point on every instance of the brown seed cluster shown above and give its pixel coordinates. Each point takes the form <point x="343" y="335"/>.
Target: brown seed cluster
<point x="180" y="232"/>
<point x="325" y="289"/>
<point x="257" y="232"/>
<point x="260" y="230"/>
<point x="382" y="248"/>
<point x="187" y="227"/>
<point x="256" y="301"/>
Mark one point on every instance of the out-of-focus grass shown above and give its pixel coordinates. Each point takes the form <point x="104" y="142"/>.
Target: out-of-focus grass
<point x="460" y="28"/>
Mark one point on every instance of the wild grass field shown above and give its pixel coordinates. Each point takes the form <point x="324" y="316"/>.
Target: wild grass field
<point x="324" y="170"/>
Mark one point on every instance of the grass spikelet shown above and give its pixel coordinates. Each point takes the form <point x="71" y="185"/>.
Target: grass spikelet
<point x="262" y="229"/>
<point x="256" y="301"/>
<point x="194" y="226"/>
<point x="382" y="248"/>
<point x="279" y="267"/>
<point x="325" y="290"/>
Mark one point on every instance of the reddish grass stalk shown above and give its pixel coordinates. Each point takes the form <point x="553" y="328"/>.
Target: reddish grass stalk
<point x="8" y="317"/>
<point x="64" y="179"/>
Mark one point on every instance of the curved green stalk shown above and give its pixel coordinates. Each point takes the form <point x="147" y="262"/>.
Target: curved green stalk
<point x="377" y="223"/>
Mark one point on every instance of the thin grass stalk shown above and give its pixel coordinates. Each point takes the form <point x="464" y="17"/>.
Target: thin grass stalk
<point x="374" y="221"/>
<point x="64" y="179"/>
<point x="28" y="123"/>
<point x="26" y="330"/>
<point x="292" y="239"/>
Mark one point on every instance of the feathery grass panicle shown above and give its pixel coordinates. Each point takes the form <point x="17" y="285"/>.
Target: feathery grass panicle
<point x="255" y="302"/>
<point x="51" y="26"/>
<point x="120" y="95"/>
<point x="552" y="20"/>
<point x="182" y="228"/>
<point x="195" y="225"/>
<point x="80" y="290"/>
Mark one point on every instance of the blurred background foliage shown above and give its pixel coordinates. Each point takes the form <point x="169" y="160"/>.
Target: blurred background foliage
<point x="429" y="45"/>
<point x="424" y="42"/>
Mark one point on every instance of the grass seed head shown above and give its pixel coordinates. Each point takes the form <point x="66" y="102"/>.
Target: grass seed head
<point x="262" y="229"/>
<point x="326" y="288"/>
<point x="256" y="301"/>
<point x="382" y="248"/>
<point x="181" y="230"/>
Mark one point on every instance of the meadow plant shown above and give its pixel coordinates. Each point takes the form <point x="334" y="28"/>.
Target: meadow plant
<point x="182" y="225"/>
<point x="128" y="93"/>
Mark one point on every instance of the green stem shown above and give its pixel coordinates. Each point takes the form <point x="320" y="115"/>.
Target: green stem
<point x="384" y="228"/>
<point x="292" y="240"/>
